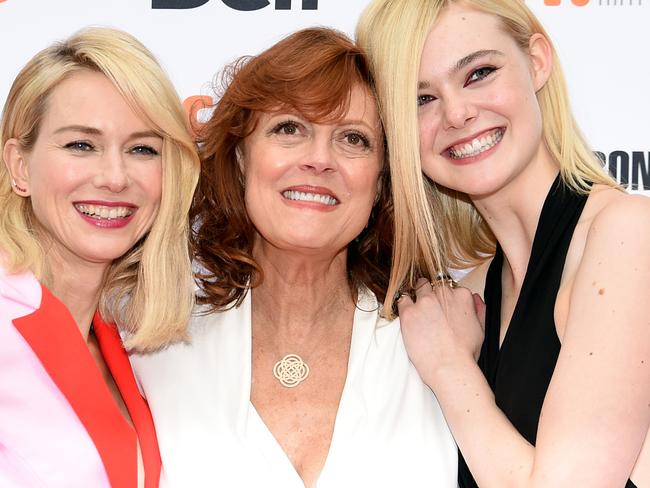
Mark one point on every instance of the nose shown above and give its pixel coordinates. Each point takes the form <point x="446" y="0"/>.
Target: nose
<point x="112" y="172"/>
<point x="320" y="156"/>
<point x="458" y="112"/>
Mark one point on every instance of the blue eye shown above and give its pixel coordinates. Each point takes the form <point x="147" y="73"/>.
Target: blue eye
<point x="81" y="146"/>
<point x="424" y="99"/>
<point x="480" y="74"/>
<point x="144" y="150"/>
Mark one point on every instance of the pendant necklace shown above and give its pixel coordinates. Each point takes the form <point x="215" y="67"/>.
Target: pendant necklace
<point x="291" y="370"/>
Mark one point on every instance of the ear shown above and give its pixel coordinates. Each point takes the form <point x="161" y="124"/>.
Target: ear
<point x="541" y="58"/>
<point x="14" y="159"/>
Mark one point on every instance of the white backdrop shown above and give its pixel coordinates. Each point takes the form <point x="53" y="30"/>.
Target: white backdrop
<point x="604" y="46"/>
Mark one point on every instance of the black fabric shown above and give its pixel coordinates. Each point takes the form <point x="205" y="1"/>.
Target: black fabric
<point x="520" y="371"/>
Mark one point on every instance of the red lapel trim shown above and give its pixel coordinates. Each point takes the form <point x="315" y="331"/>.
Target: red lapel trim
<point x="54" y="337"/>
<point x="118" y="362"/>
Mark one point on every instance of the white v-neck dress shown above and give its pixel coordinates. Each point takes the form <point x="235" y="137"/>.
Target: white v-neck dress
<point x="389" y="429"/>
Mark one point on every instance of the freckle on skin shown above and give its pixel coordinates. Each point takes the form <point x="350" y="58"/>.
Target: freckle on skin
<point x="601" y="291"/>
<point x="591" y="353"/>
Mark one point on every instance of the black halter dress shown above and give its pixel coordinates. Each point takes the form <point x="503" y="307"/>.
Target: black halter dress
<point x="520" y="371"/>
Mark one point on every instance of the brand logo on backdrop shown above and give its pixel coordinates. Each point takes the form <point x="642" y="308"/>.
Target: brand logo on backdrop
<point x="600" y="3"/>
<point x="630" y="168"/>
<point x="241" y="5"/>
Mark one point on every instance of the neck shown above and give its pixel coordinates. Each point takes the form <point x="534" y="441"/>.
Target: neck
<point x="513" y="212"/>
<point x="78" y="285"/>
<point x="300" y="293"/>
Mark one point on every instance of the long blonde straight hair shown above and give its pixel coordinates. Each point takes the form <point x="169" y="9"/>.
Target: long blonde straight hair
<point x="436" y="227"/>
<point x="148" y="291"/>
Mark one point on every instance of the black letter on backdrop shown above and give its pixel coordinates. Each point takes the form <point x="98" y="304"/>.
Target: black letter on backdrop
<point x="246" y="5"/>
<point x="177" y="4"/>
<point x="620" y="160"/>
<point x="640" y="167"/>
<point x="286" y="4"/>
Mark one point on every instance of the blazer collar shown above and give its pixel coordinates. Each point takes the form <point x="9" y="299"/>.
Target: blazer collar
<point x="54" y="337"/>
<point x="22" y="288"/>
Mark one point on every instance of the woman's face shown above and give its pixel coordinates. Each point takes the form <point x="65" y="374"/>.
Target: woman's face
<point x="480" y="123"/>
<point x="310" y="187"/>
<point x="94" y="174"/>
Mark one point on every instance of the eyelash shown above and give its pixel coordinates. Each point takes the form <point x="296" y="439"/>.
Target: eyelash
<point x="139" y="149"/>
<point x="81" y="146"/>
<point x="364" y="140"/>
<point x="144" y="150"/>
<point x="280" y="127"/>
<point x="424" y="99"/>
<point x="489" y="69"/>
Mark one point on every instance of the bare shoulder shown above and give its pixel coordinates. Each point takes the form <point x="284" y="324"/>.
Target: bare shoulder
<point x="617" y="214"/>
<point x="475" y="279"/>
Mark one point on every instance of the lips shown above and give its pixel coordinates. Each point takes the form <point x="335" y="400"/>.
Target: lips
<point x="476" y="145"/>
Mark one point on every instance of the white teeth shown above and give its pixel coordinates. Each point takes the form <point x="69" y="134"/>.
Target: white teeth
<point x="309" y="197"/>
<point x="102" y="212"/>
<point x="477" y="146"/>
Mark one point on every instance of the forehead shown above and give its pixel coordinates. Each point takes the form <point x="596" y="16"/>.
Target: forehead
<point x="89" y="98"/>
<point x="460" y="31"/>
<point x="361" y="106"/>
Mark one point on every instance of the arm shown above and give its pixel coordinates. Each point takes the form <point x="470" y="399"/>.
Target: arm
<point x="597" y="409"/>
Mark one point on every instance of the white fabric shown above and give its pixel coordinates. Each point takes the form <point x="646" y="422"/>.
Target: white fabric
<point x="389" y="429"/>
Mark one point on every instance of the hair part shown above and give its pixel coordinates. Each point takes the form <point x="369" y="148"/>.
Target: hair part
<point x="149" y="274"/>
<point x="435" y="227"/>
<point x="311" y="72"/>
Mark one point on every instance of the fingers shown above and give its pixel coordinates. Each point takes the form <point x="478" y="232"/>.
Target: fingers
<point x="479" y="306"/>
<point x="403" y="300"/>
<point x="422" y="287"/>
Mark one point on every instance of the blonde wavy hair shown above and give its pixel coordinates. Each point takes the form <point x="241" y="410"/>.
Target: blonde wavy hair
<point x="435" y="227"/>
<point x="148" y="291"/>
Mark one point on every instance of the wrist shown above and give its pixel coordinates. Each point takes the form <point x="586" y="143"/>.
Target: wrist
<point x="449" y="370"/>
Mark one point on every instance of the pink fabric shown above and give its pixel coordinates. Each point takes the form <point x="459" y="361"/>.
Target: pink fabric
<point x="42" y="442"/>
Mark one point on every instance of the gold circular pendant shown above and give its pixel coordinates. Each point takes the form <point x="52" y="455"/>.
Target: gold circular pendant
<point x="291" y="370"/>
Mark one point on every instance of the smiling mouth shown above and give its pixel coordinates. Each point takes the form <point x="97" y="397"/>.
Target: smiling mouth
<point x="101" y="212"/>
<point x="477" y="145"/>
<point x="302" y="196"/>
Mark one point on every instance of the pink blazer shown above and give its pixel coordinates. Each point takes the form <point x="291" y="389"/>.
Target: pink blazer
<point x="59" y="424"/>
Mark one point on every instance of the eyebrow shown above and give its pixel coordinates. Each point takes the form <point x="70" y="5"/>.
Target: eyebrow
<point x="355" y="122"/>
<point x="94" y="131"/>
<point x="466" y="60"/>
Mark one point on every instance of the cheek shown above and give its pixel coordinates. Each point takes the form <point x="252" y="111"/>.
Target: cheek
<point x="517" y="99"/>
<point x="428" y="128"/>
<point x="364" y="183"/>
<point x="51" y="187"/>
<point x="150" y="180"/>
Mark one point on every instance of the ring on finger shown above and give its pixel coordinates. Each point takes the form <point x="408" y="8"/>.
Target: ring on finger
<point x="444" y="280"/>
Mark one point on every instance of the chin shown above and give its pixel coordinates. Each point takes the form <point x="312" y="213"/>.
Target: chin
<point x="103" y="256"/>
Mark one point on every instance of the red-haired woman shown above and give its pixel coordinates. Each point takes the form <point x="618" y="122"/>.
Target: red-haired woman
<point x="291" y="378"/>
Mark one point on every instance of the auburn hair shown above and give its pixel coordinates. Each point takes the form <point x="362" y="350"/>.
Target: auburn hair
<point x="311" y="72"/>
